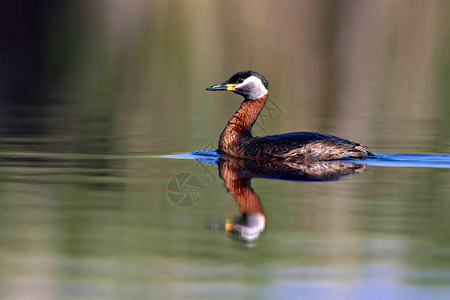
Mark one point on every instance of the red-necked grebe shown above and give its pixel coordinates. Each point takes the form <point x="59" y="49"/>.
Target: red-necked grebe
<point x="237" y="140"/>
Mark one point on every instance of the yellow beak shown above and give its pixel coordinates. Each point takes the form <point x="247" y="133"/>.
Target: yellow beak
<point x="222" y="87"/>
<point x="230" y="87"/>
<point x="229" y="227"/>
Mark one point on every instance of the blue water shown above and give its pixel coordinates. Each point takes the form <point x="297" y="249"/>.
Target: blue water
<point x="416" y="160"/>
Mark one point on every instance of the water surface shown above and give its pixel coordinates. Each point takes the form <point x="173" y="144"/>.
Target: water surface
<point x="78" y="225"/>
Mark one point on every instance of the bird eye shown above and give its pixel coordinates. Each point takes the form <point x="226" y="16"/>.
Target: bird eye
<point x="240" y="80"/>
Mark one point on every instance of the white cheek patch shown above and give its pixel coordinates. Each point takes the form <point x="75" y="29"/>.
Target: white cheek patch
<point x="252" y="87"/>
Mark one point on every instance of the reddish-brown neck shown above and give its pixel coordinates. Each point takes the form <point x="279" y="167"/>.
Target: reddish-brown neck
<point x="239" y="127"/>
<point x="240" y="187"/>
<point x="245" y="197"/>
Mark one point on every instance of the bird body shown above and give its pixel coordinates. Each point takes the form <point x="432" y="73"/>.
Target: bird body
<point x="237" y="140"/>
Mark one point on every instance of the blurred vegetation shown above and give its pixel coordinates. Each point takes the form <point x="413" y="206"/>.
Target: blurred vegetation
<point x="373" y="71"/>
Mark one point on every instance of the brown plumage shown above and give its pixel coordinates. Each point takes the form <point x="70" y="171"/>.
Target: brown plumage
<point x="237" y="133"/>
<point x="239" y="185"/>
<point x="237" y="140"/>
<point x="237" y="175"/>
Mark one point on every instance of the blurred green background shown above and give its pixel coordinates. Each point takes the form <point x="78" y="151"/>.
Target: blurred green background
<point x="92" y="91"/>
<point x="374" y="71"/>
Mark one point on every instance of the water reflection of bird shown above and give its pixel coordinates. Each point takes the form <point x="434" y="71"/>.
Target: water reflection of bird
<point x="237" y="174"/>
<point x="237" y="140"/>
